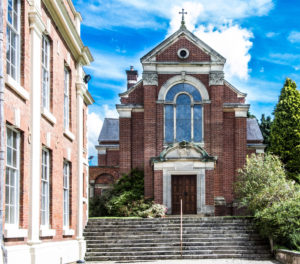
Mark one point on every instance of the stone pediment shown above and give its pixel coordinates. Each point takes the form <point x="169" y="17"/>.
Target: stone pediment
<point x="151" y="57"/>
<point x="184" y="151"/>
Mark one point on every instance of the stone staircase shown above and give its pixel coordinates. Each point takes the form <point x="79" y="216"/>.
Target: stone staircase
<point x="149" y="239"/>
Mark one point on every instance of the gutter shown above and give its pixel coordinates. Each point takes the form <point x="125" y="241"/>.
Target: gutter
<point x="2" y="128"/>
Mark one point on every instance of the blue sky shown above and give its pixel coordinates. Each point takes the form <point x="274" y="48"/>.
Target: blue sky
<point x="259" y="38"/>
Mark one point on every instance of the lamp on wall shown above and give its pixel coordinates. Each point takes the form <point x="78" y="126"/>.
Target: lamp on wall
<point x="87" y="78"/>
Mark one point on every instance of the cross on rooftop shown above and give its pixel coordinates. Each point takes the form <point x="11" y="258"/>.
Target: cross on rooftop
<point x="182" y="13"/>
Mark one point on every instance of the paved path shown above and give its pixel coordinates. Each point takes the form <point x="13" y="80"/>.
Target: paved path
<point x="192" y="261"/>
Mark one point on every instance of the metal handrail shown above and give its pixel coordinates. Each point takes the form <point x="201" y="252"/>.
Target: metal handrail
<point x="181" y="227"/>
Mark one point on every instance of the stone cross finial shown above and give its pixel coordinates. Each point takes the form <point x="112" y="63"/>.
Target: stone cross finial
<point x="182" y="13"/>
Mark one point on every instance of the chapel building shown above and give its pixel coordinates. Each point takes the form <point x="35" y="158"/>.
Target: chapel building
<point x="184" y="125"/>
<point x="45" y="172"/>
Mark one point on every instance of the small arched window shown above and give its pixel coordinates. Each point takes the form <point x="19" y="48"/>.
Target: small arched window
<point x="183" y="114"/>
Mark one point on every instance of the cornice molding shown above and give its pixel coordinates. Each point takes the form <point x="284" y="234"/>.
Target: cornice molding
<point x="68" y="30"/>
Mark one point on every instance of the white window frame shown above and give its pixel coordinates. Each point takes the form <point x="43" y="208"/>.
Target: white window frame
<point x="45" y="189"/>
<point x="46" y="72"/>
<point x="66" y="194"/>
<point x="66" y="99"/>
<point x="174" y="104"/>
<point x="13" y="28"/>
<point x="12" y="186"/>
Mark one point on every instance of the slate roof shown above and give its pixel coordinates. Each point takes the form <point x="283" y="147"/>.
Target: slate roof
<point x="253" y="130"/>
<point x="110" y="130"/>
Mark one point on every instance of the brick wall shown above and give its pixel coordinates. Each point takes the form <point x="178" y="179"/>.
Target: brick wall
<point x="170" y="53"/>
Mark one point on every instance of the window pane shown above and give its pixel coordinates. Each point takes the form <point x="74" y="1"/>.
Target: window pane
<point x="183" y="118"/>
<point x="6" y="214"/>
<point x="183" y="88"/>
<point x="8" y="156"/>
<point x="197" y="123"/>
<point x="169" y="123"/>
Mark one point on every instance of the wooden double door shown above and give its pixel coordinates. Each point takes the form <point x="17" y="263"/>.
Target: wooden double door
<point x="184" y="187"/>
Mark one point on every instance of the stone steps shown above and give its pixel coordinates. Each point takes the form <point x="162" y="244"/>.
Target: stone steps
<point x="149" y="239"/>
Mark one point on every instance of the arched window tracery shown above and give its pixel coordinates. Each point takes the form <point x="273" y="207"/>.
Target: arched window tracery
<point x="183" y="114"/>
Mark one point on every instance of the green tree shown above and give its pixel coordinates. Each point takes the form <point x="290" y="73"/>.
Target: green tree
<point x="285" y="130"/>
<point x="265" y="127"/>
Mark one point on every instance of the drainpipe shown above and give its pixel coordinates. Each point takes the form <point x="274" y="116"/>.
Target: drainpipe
<point x="2" y="127"/>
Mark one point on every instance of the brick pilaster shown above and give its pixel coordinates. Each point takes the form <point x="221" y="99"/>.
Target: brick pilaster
<point x="149" y="136"/>
<point x="216" y="92"/>
<point x="158" y="187"/>
<point x="240" y="142"/>
<point x="125" y="144"/>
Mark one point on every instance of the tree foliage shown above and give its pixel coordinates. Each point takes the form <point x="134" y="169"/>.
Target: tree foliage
<point x="265" y="127"/>
<point x="273" y="200"/>
<point x="285" y="130"/>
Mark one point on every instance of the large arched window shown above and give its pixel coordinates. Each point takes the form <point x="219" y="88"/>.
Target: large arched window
<point x="183" y="114"/>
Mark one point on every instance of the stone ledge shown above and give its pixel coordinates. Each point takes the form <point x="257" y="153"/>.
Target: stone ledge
<point x="287" y="256"/>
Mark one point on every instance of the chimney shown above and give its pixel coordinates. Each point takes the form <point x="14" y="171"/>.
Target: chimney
<point x="132" y="76"/>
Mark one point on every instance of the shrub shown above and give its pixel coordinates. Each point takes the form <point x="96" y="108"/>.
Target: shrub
<point x="273" y="200"/>
<point x="156" y="210"/>
<point x="126" y="198"/>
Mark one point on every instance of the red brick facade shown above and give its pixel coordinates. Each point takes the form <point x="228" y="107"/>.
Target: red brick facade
<point x="61" y="143"/>
<point x="141" y="124"/>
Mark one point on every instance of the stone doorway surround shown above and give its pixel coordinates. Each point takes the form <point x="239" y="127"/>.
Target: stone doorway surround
<point x="185" y="158"/>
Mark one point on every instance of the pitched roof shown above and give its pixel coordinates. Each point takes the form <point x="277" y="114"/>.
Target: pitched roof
<point x="110" y="130"/>
<point x="253" y="130"/>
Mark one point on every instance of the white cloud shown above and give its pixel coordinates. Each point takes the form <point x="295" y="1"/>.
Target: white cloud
<point x="144" y="13"/>
<point x="111" y="66"/>
<point x="262" y="69"/>
<point x="272" y="34"/>
<point x="233" y="43"/>
<point x="294" y="37"/>
<point x="94" y="125"/>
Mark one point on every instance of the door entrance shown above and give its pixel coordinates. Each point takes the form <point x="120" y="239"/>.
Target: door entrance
<point x="184" y="187"/>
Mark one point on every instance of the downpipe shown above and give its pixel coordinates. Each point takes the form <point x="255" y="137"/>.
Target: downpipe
<point x="2" y="128"/>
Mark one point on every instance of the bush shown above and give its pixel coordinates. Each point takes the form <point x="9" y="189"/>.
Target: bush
<point x="125" y="199"/>
<point x="273" y="200"/>
<point x="156" y="210"/>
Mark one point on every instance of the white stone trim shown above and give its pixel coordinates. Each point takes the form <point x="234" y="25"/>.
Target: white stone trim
<point x="16" y="87"/>
<point x="183" y="79"/>
<point x="68" y="232"/>
<point x="124" y="112"/>
<point x="69" y="134"/>
<point x="184" y="168"/>
<point x="46" y="232"/>
<point x="47" y="252"/>
<point x="12" y="231"/>
<point x="17" y="118"/>
<point x="239" y="113"/>
<point x="48" y="115"/>
<point x="101" y="151"/>
<point x="150" y="78"/>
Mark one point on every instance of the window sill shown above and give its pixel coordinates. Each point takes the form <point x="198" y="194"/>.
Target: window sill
<point x="14" y="232"/>
<point x="46" y="113"/>
<point x="69" y="135"/>
<point x="14" y="85"/>
<point x="45" y="232"/>
<point x="68" y="232"/>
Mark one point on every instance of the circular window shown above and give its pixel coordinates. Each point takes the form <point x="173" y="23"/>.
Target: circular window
<point x="183" y="53"/>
